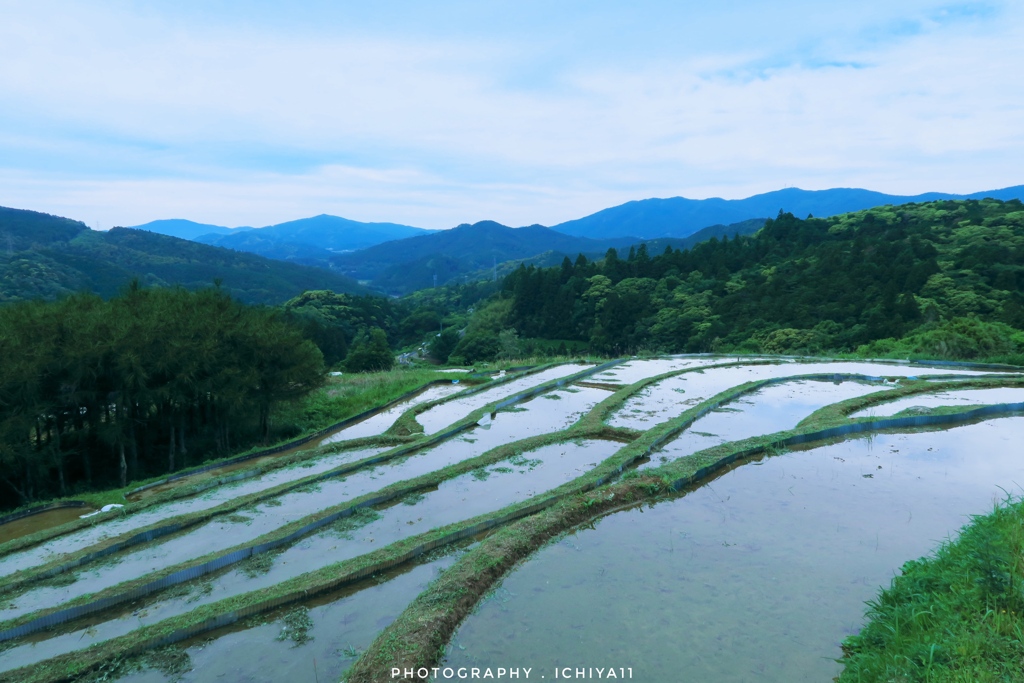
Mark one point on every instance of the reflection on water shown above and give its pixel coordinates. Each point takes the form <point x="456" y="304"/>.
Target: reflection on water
<point x="462" y="497"/>
<point x="774" y="408"/>
<point x="342" y="626"/>
<point x="757" y="575"/>
<point x="117" y="524"/>
<point x="437" y="418"/>
<point x="379" y="423"/>
<point x="670" y="397"/>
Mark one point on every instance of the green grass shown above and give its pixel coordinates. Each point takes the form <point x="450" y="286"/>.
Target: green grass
<point x="353" y="393"/>
<point x="295" y="626"/>
<point x="359" y="518"/>
<point x="957" y="616"/>
<point x="258" y="565"/>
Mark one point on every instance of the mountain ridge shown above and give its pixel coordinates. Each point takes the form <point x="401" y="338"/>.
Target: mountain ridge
<point x="681" y="217"/>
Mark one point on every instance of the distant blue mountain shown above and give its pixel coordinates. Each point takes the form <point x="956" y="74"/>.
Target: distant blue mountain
<point x="321" y="234"/>
<point x="681" y="217"/>
<point x="186" y="230"/>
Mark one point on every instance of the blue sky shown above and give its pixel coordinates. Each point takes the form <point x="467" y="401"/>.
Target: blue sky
<point x="434" y="114"/>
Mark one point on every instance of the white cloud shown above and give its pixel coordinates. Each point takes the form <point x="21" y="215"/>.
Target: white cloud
<point x="242" y="124"/>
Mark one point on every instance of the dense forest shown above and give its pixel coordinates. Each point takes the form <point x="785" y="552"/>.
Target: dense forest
<point x="95" y="393"/>
<point x="942" y="279"/>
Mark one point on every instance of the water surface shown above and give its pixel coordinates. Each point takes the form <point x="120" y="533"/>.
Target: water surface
<point x="756" y="576"/>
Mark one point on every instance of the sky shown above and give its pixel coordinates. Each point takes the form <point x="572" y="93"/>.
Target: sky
<point x="433" y="114"/>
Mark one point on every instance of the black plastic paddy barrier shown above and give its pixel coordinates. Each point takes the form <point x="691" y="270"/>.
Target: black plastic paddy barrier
<point x="72" y="613"/>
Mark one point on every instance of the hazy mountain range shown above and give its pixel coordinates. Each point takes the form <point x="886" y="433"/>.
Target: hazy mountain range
<point x="396" y="259"/>
<point x="47" y="256"/>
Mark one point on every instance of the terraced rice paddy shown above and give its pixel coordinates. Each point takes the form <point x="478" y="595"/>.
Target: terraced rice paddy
<point x="292" y="572"/>
<point x="760" y="572"/>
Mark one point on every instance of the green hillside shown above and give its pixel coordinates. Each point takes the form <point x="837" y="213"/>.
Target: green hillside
<point x="44" y="257"/>
<point x="942" y="279"/>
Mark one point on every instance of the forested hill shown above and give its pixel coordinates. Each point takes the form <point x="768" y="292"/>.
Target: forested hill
<point x="950" y="269"/>
<point x="44" y="257"/>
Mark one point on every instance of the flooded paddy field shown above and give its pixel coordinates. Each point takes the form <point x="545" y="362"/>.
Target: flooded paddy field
<point x="757" y="575"/>
<point x="115" y="524"/>
<point x="374" y="425"/>
<point x="440" y="416"/>
<point x="964" y="397"/>
<point x="549" y="412"/>
<point x="669" y="397"/>
<point x="484" y="490"/>
<point x="537" y="416"/>
<point x="42" y="520"/>
<point x="641" y="580"/>
<point x="379" y="423"/>
<point x="317" y="640"/>
<point x="773" y="408"/>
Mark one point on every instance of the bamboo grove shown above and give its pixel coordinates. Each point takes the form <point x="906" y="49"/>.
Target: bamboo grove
<point x="97" y="393"/>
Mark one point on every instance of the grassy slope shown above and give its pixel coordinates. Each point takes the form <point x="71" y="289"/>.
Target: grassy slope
<point x="957" y="616"/>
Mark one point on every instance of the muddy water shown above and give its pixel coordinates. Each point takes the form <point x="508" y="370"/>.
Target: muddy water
<point x="439" y="417"/>
<point x="962" y="397"/>
<point x="116" y="524"/>
<point x="549" y="412"/>
<point x="672" y="396"/>
<point x="756" y="576"/>
<point x="456" y="499"/>
<point x="40" y="521"/>
<point x="342" y="624"/>
<point x="380" y="422"/>
<point x="772" y="409"/>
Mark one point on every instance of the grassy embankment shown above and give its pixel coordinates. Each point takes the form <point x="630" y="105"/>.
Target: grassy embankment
<point x="954" y="617"/>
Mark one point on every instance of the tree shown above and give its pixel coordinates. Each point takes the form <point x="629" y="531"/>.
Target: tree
<point x="370" y="352"/>
<point x="509" y="344"/>
<point x="442" y="345"/>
